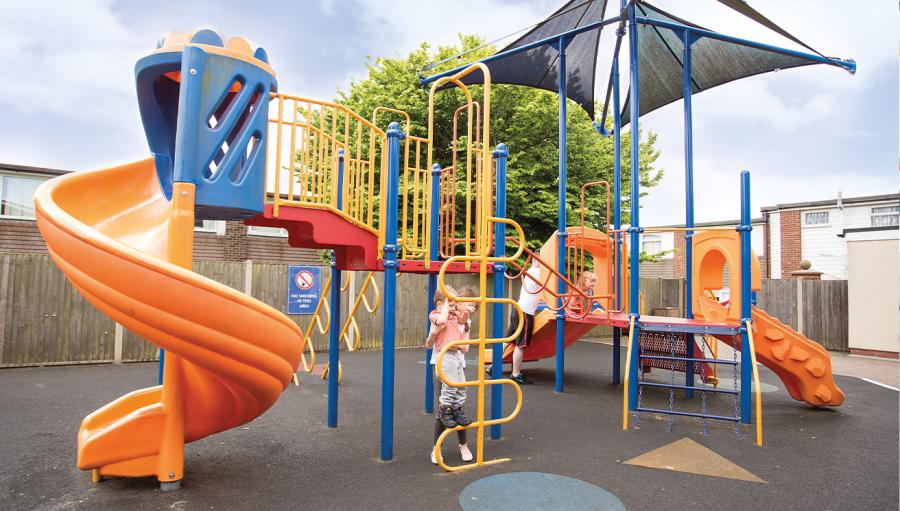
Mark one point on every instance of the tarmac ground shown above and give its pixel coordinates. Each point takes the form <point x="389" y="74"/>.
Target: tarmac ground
<point x="567" y="451"/>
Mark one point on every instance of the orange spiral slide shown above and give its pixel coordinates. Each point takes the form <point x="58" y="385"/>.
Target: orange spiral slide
<point x="127" y="249"/>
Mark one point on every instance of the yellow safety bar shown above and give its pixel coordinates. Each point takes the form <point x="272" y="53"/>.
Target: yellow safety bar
<point x="752" y="348"/>
<point x="627" y="372"/>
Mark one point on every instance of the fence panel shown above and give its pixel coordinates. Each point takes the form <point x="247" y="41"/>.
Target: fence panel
<point x="825" y="313"/>
<point x="43" y="320"/>
<point x="778" y="297"/>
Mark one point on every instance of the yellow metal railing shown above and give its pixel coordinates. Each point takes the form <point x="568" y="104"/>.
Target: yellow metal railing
<point x="477" y="161"/>
<point x="482" y="342"/>
<point x="415" y="190"/>
<point x="305" y="138"/>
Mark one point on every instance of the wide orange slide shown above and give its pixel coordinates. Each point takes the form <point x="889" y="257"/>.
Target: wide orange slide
<point x="127" y="249"/>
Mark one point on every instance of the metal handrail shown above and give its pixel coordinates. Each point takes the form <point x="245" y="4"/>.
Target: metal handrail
<point x="318" y="131"/>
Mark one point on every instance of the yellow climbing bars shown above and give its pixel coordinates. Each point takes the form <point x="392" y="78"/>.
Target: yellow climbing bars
<point x="482" y="342"/>
<point x="317" y="323"/>
<point x="350" y="332"/>
<point x="352" y="338"/>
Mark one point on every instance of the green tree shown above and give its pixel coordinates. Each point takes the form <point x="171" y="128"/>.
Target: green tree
<point x="523" y="118"/>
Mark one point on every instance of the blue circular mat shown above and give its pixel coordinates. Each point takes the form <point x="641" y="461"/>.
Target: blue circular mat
<point x="536" y="490"/>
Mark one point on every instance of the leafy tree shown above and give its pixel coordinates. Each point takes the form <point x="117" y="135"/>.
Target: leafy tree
<point x="523" y="118"/>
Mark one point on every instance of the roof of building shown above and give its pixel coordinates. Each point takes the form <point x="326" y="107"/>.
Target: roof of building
<point x="833" y="202"/>
<point x="33" y="170"/>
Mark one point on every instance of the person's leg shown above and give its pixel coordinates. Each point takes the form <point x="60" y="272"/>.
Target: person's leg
<point x="459" y="415"/>
<point x="523" y="341"/>
<point x="518" y="355"/>
<point x="448" y="394"/>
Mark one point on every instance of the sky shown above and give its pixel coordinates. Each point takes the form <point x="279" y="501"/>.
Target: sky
<point x="67" y="97"/>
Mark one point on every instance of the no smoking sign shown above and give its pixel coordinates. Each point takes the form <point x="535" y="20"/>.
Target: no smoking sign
<point x="305" y="279"/>
<point x="304" y="289"/>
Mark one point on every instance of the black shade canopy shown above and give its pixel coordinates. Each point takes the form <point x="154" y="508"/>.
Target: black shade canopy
<point x="537" y="67"/>
<point x="713" y="62"/>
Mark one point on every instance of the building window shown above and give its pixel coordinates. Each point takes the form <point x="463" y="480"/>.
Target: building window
<point x="651" y="245"/>
<point x="17" y="194"/>
<point x="275" y="232"/>
<point x="216" y="226"/>
<point x="815" y="218"/>
<point x="885" y="216"/>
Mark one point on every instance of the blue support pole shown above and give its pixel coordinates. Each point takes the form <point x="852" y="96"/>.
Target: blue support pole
<point x="746" y="361"/>
<point x="162" y="365"/>
<point x="334" y="332"/>
<point x="634" y="230"/>
<point x="617" y="204"/>
<point x="433" y="255"/>
<point x="500" y="155"/>
<point x="687" y="84"/>
<point x="561" y="222"/>
<point x="394" y="136"/>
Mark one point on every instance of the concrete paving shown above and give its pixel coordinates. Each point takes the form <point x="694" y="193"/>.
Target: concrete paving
<point x="816" y="459"/>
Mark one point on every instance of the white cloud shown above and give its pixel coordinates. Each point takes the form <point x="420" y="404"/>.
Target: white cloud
<point x="69" y="59"/>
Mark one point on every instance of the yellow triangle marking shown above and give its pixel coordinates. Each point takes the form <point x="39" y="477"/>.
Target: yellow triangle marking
<point x="686" y="455"/>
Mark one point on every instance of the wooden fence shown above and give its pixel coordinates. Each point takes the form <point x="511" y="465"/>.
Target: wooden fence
<point x="43" y="320"/>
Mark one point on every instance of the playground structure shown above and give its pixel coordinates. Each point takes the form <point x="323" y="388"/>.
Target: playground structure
<point x="226" y="144"/>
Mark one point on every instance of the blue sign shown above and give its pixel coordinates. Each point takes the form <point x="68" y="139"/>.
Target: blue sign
<point x="304" y="288"/>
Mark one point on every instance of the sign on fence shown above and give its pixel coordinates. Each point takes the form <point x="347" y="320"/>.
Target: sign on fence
<point x="304" y="288"/>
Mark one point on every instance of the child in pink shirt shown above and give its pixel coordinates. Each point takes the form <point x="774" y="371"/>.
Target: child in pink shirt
<point x="450" y="322"/>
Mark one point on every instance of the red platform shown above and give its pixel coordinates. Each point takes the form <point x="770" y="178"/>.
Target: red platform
<point x="407" y="266"/>
<point x="355" y="247"/>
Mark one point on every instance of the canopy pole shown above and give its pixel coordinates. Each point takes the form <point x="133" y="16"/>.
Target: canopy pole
<point x="617" y="199"/>
<point x="561" y="222"/>
<point x="634" y="229"/>
<point x="687" y="79"/>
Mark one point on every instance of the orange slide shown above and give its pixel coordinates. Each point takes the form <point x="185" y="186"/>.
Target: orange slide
<point x="127" y="249"/>
<point x="597" y="246"/>
<point x="803" y="365"/>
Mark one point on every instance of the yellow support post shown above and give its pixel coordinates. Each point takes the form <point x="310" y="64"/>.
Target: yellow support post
<point x="627" y="367"/>
<point x="752" y="348"/>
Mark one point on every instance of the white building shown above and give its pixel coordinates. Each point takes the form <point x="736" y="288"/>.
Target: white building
<point x="812" y="231"/>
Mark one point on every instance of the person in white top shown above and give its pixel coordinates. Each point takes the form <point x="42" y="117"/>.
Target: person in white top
<point x="529" y="297"/>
